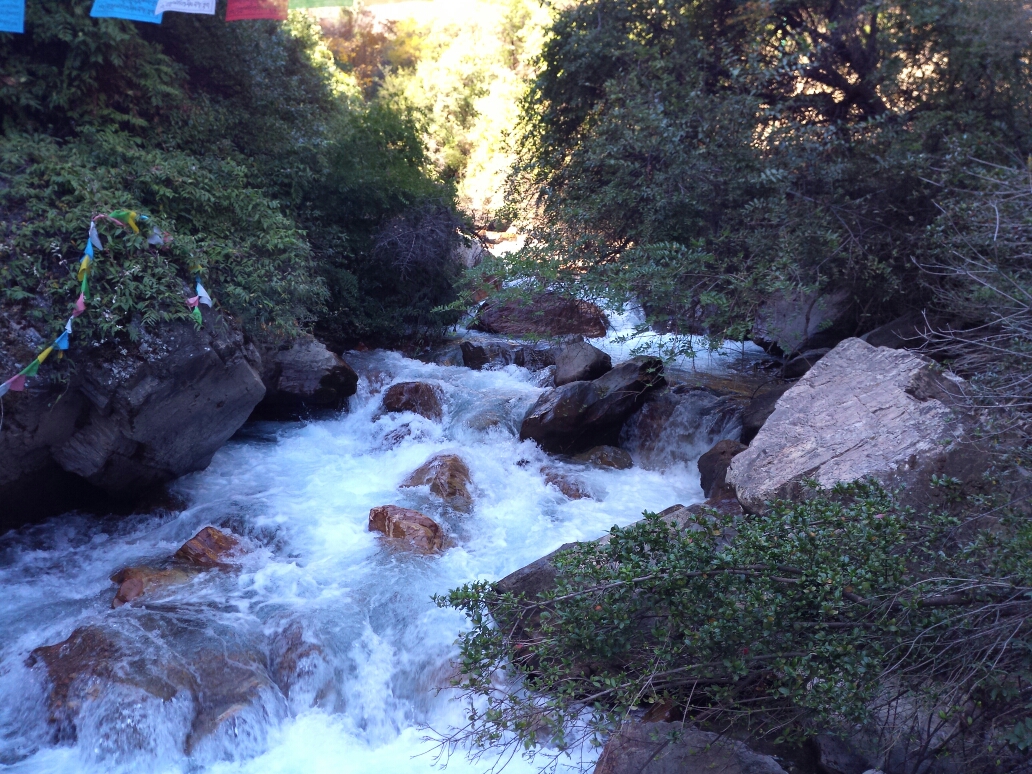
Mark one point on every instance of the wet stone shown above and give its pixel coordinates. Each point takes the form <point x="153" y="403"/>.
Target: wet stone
<point x="606" y="457"/>
<point x="415" y="528"/>
<point x="418" y="397"/>
<point x="208" y="548"/>
<point x="448" y="477"/>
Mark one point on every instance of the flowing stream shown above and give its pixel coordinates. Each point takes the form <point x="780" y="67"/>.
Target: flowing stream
<point x="354" y="613"/>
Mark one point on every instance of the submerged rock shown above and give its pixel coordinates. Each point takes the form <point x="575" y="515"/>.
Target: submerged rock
<point x="571" y="486"/>
<point x="497" y="354"/>
<point x="302" y="377"/>
<point x="135" y="582"/>
<point x="675" y="748"/>
<point x="418" y="397"/>
<point x="202" y="685"/>
<point x="580" y="415"/>
<point x="861" y="411"/>
<point x="606" y="457"/>
<point x="580" y="361"/>
<point x="676" y="425"/>
<point x="546" y="314"/>
<point x="208" y="548"/>
<point x="448" y="478"/>
<point x="416" y="528"/>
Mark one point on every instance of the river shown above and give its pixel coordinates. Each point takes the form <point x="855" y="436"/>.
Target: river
<point x="299" y="496"/>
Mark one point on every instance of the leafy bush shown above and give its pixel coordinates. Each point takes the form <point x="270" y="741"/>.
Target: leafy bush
<point x="254" y="259"/>
<point x="816" y="615"/>
<point x="700" y="156"/>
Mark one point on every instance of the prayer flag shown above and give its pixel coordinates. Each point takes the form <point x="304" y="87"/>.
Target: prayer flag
<point x="131" y="220"/>
<point x="156" y="237"/>
<point x="192" y="302"/>
<point x="134" y="10"/>
<point x="187" y="6"/>
<point x="12" y="16"/>
<point x="238" y="10"/>
<point x="31" y="369"/>
<point x="80" y="305"/>
<point x="202" y="294"/>
<point x="15" y="383"/>
<point x="44" y="354"/>
<point x="89" y="248"/>
<point x="84" y="291"/>
<point x="84" y="267"/>
<point x="197" y="315"/>
<point x="61" y="342"/>
<point x="94" y="236"/>
<point x="4" y="388"/>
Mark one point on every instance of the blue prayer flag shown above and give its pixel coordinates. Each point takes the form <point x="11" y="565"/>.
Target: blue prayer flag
<point x="62" y="341"/>
<point x="12" y="15"/>
<point x="134" y="10"/>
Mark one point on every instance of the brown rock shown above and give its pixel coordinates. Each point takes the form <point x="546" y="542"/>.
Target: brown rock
<point x="448" y="478"/>
<point x="418" y="397"/>
<point x="497" y="354"/>
<point x="208" y="548"/>
<point x="545" y="315"/>
<point x="573" y="488"/>
<point x="713" y="467"/>
<point x="418" y="529"/>
<point x="606" y="457"/>
<point x="759" y="409"/>
<point x="673" y="748"/>
<point x="134" y="582"/>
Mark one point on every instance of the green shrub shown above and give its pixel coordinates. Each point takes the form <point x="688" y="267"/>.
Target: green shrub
<point x="785" y="624"/>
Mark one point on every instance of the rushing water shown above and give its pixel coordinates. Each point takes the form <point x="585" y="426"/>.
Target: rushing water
<point x="299" y="494"/>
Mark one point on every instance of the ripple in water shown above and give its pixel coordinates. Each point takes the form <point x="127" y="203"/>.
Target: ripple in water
<point x="345" y="621"/>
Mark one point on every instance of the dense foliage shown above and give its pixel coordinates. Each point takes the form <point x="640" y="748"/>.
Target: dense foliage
<point x="840" y="610"/>
<point x="244" y="141"/>
<point x="698" y="156"/>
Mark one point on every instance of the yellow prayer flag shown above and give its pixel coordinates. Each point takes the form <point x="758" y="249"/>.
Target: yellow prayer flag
<point x="131" y="220"/>
<point x="44" y="354"/>
<point x="84" y="266"/>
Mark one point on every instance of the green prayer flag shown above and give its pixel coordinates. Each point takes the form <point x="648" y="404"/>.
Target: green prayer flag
<point x="31" y="369"/>
<point x="196" y="314"/>
<point x="85" y="289"/>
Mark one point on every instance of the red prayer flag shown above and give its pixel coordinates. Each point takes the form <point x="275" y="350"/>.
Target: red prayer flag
<point x="237" y="10"/>
<point x="17" y="383"/>
<point x="80" y="305"/>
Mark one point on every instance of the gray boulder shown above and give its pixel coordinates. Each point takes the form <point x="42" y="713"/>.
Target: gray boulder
<point x="580" y="415"/>
<point x="303" y="376"/>
<point x="579" y="362"/>
<point x="128" y="420"/>
<point x="791" y="323"/>
<point x="673" y="748"/>
<point x="861" y="411"/>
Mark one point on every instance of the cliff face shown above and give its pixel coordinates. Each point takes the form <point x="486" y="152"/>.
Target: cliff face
<point x="123" y="422"/>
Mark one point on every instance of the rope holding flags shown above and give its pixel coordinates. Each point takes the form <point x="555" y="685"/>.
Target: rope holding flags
<point x="130" y="221"/>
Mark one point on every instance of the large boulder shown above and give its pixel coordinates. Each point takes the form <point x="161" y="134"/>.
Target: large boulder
<point x="579" y="362"/>
<point x="547" y="314"/>
<point x="487" y="353"/>
<point x="448" y="478"/>
<point x="303" y="376"/>
<point x="678" y="424"/>
<point x="415" y="528"/>
<point x="580" y="415"/>
<point x="127" y="419"/>
<point x="861" y="411"/>
<point x="789" y="323"/>
<point x="674" y="748"/>
<point x="418" y="397"/>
